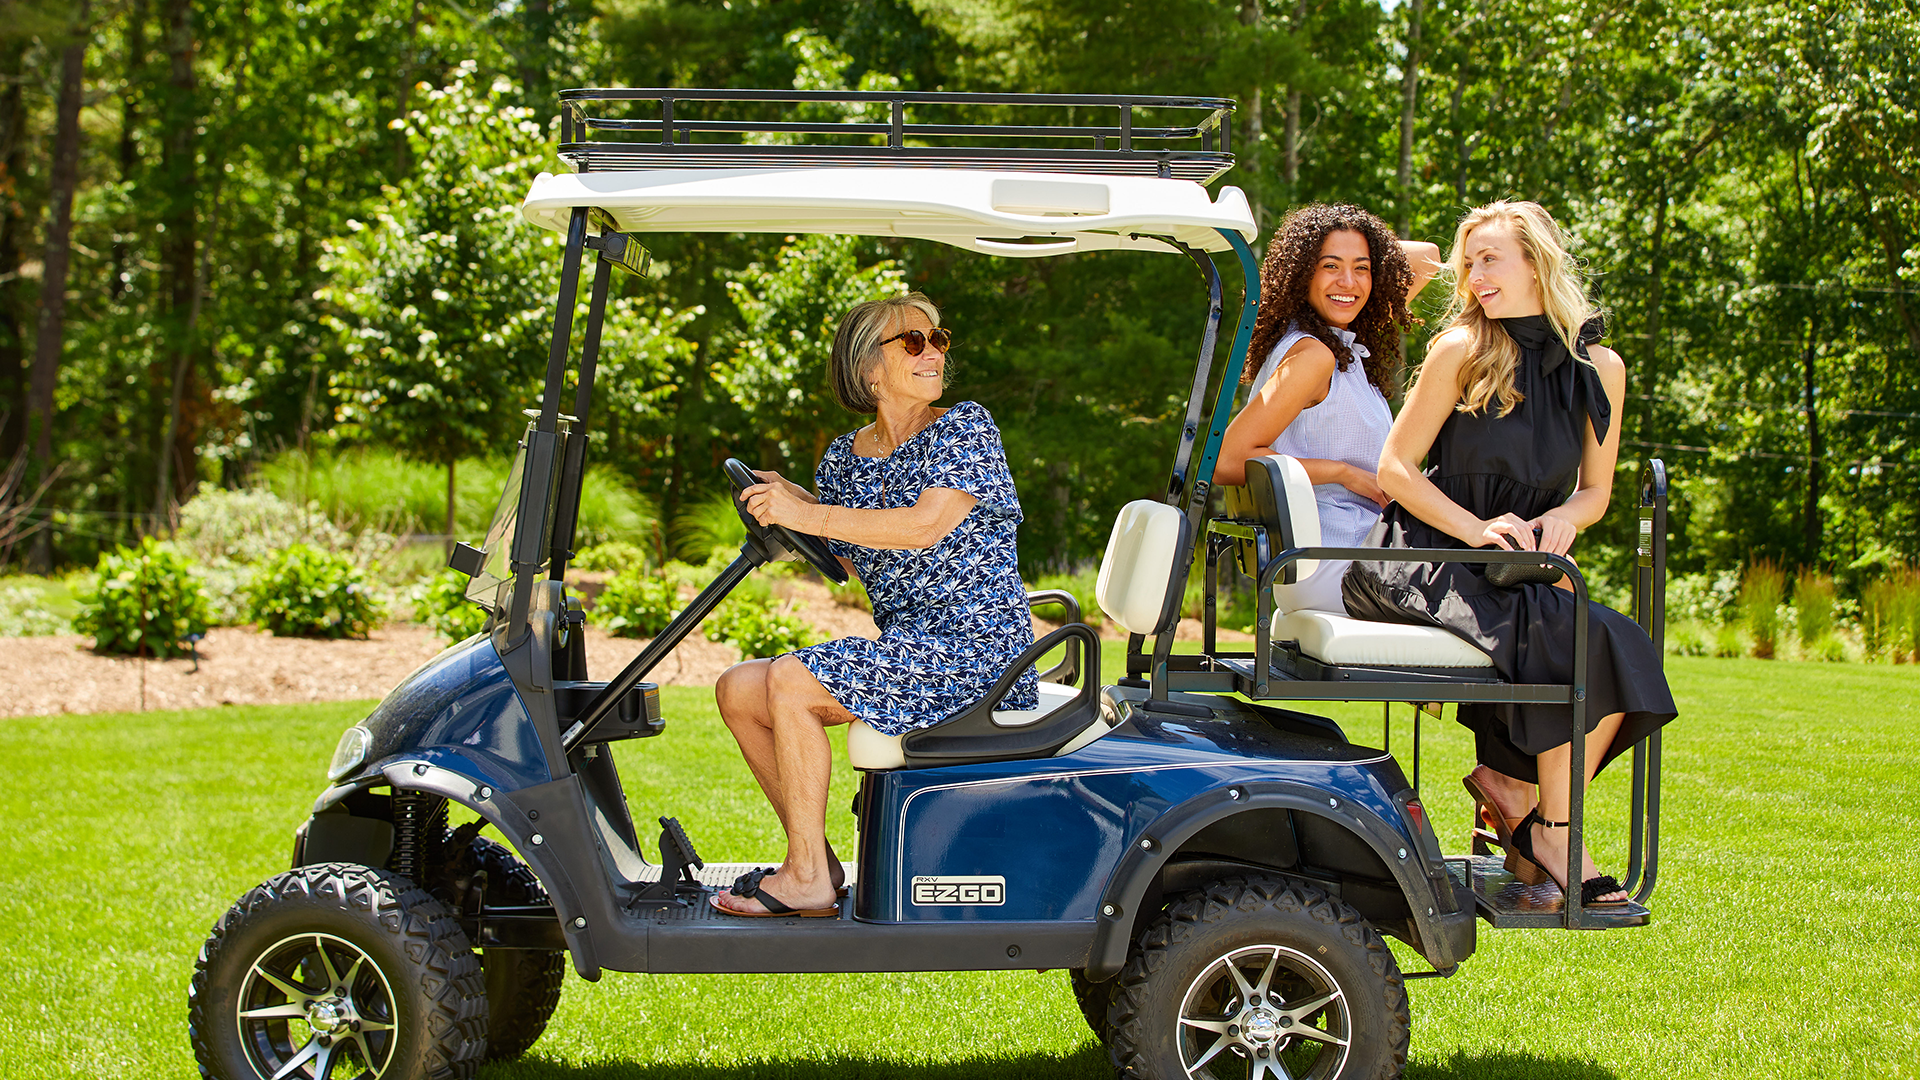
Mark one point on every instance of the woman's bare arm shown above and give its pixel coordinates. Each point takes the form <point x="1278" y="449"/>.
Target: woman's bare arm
<point x="1425" y="260"/>
<point x="1429" y="403"/>
<point x="1300" y="383"/>
<point x="938" y="511"/>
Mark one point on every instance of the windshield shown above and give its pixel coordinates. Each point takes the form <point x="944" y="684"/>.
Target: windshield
<point x="494" y="569"/>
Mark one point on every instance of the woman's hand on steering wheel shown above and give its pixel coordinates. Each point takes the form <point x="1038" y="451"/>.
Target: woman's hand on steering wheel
<point x="778" y="501"/>
<point x="1509" y="532"/>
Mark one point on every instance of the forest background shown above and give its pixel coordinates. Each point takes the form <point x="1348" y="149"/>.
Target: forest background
<point x="240" y="234"/>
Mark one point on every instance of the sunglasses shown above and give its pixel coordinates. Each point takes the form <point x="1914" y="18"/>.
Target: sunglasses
<point x="916" y="340"/>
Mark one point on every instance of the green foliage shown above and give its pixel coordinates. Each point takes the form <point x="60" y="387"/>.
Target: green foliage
<point x="1762" y="588"/>
<point x="304" y="591"/>
<point x="441" y="602"/>
<point x="757" y="627"/>
<point x="145" y="601"/>
<point x="24" y="611"/>
<point x="636" y="604"/>
<point x="1078" y="585"/>
<point x="1890" y="615"/>
<point x="1706" y="598"/>
<point x="1813" y="600"/>
<point x="229" y="531"/>
<point x="1688" y="638"/>
<point x="853" y="594"/>
<point x="709" y="529"/>
<point x="777" y="369"/>
<point x="614" y="555"/>
<point x="1729" y="640"/>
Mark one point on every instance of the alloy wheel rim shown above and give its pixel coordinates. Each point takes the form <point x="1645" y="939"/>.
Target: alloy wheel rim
<point x="316" y="1007"/>
<point x="1264" y="1012"/>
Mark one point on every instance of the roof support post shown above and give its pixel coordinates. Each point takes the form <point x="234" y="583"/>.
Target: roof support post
<point x="573" y="464"/>
<point x="1196" y="488"/>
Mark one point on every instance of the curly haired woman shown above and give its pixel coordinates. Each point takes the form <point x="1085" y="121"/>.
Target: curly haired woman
<point x="1333" y="300"/>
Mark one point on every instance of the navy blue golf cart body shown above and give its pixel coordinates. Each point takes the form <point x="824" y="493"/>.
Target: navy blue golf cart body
<point x="1171" y="808"/>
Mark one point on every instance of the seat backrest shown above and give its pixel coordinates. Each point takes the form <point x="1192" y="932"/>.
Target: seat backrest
<point x="1279" y="495"/>
<point x="1132" y="589"/>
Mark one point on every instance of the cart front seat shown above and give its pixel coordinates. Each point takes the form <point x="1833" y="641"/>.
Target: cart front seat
<point x="1279" y="494"/>
<point x="867" y="749"/>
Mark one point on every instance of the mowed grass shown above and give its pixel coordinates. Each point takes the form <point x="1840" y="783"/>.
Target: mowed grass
<point x="1782" y="940"/>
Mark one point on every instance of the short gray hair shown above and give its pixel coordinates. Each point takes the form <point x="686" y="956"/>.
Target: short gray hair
<point x="856" y="346"/>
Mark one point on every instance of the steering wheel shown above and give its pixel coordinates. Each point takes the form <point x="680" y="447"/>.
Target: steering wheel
<point x="778" y="539"/>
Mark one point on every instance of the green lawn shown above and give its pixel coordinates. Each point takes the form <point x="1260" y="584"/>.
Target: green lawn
<point x="1778" y="946"/>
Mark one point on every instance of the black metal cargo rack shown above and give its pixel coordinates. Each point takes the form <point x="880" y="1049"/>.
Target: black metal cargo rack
<point x="713" y="135"/>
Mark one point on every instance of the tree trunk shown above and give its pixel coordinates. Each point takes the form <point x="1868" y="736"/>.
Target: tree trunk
<point x="1649" y="378"/>
<point x="1293" y="112"/>
<point x="1409" y="97"/>
<point x="13" y="226"/>
<point x="50" y="328"/>
<point x="1250" y="16"/>
<point x="179" y="246"/>
<point x="136" y="34"/>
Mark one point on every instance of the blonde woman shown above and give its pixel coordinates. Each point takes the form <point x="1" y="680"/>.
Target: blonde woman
<point x="1514" y="412"/>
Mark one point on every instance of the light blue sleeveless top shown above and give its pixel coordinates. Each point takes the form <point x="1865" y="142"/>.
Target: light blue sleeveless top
<point x="1350" y="424"/>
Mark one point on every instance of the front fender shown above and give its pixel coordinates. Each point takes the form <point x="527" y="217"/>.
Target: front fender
<point x="524" y="818"/>
<point x="1439" y="926"/>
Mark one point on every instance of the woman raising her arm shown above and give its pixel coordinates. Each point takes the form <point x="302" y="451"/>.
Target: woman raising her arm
<point x="1514" y="412"/>
<point x="1334" y="291"/>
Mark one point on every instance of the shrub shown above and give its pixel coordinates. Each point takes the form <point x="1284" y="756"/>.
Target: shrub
<point x="305" y="592"/>
<point x="1080" y="585"/>
<point x="852" y="594"/>
<point x="1687" y="638"/>
<point x="1890" y="615"/>
<point x="1828" y="647"/>
<point x="1707" y="598"/>
<point x="636" y="604"/>
<point x="228" y="532"/>
<point x="708" y="528"/>
<point x="757" y="628"/>
<point x="1761" y="590"/>
<point x="24" y="611"/>
<point x="613" y="556"/>
<point x="441" y="602"/>
<point x="145" y="602"/>
<point x="1813" y="597"/>
<point x="1728" y="641"/>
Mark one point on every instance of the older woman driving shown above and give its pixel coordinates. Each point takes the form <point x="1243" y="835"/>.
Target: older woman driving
<point x="920" y="504"/>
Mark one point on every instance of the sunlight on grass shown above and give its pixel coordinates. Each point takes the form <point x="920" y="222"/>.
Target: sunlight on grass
<point x="1777" y="933"/>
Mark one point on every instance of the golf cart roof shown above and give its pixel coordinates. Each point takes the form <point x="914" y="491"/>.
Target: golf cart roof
<point x="1003" y="189"/>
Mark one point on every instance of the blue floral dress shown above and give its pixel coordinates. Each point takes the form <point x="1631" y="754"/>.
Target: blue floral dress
<point x="952" y="617"/>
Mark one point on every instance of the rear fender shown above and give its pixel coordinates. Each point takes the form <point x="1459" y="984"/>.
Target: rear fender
<point x="344" y="828"/>
<point x="1129" y="899"/>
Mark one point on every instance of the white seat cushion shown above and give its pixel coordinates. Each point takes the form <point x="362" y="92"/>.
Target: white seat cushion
<point x="1341" y="639"/>
<point x="868" y="749"/>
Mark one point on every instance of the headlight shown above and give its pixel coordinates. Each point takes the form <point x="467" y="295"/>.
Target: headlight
<point x="350" y="754"/>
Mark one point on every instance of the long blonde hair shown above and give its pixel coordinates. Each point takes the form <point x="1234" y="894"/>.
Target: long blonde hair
<point x="1492" y="357"/>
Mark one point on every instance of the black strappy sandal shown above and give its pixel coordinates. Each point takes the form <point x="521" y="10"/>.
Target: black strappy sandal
<point x="1527" y="868"/>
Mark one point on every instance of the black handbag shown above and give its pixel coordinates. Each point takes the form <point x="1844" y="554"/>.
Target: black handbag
<point x="1509" y="575"/>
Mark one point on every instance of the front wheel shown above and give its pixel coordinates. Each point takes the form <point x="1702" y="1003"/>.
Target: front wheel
<point x="1258" y="977"/>
<point x="337" y="971"/>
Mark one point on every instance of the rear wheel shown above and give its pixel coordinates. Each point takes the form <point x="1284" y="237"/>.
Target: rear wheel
<point x="334" y="971"/>
<point x="1260" y="977"/>
<point x="1094" y="999"/>
<point x="523" y="985"/>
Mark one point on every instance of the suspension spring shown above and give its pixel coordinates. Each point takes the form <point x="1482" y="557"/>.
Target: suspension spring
<point x="419" y="822"/>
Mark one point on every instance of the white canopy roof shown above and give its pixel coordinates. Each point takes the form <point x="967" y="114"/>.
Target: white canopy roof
<point x="1000" y="213"/>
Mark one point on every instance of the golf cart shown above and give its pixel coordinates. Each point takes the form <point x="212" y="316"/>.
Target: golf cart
<point x="1215" y="871"/>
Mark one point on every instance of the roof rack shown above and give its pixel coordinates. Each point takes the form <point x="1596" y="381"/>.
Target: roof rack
<point x="722" y="129"/>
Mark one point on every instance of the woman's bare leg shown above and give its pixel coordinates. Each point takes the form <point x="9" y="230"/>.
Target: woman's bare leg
<point x="742" y="694"/>
<point x="1556" y="796"/>
<point x="797" y="710"/>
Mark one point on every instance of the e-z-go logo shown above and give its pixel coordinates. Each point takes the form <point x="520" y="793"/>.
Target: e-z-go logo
<point x="981" y="891"/>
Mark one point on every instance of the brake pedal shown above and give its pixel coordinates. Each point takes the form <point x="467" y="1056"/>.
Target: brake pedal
<point x="678" y="861"/>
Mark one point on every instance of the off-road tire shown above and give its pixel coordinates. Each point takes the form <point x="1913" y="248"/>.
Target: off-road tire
<point x="523" y="985"/>
<point x="438" y="992"/>
<point x="1186" y="940"/>
<point x="1094" y="999"/>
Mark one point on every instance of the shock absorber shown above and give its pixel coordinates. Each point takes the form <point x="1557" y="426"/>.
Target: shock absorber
<point x="419" y="821"/>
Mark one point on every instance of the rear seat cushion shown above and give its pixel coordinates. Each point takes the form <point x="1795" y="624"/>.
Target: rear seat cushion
<point x="868" y="749"/>
<point x="1341" y="639"/>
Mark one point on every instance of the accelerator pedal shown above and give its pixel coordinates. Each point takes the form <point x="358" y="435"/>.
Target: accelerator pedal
<point x="678" y="861"/>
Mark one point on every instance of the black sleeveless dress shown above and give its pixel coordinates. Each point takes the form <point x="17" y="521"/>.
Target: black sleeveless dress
<point x="1525" y="462"/>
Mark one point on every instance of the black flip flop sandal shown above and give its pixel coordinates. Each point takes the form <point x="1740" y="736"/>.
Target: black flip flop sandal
<point x="775" y="909"/>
